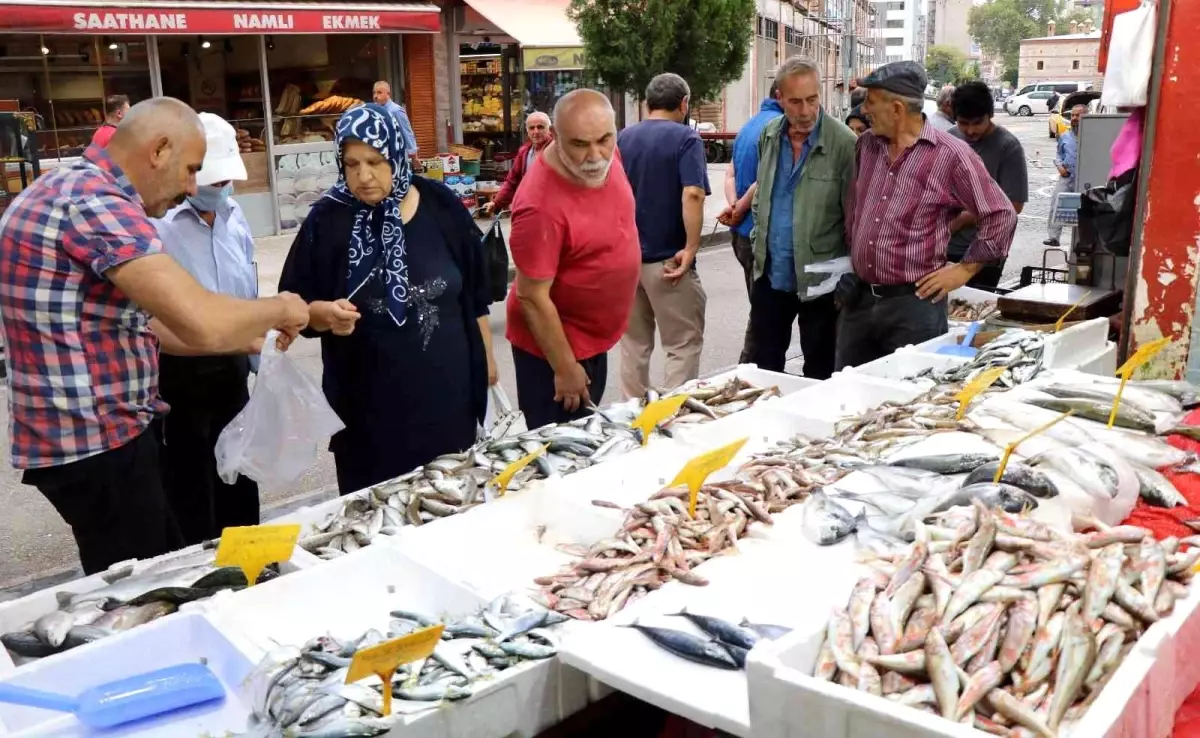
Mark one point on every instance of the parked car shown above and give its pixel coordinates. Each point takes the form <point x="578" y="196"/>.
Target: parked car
<point x="1031" y="99"/>
<point x="1060" y="117"/>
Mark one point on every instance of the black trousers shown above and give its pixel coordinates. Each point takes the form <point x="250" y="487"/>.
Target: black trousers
<point x="987" y="279"/>
<point x="114" y="503"/>
<point x="535" y="388"/>
<point x="743" y="250"/>
<point x="875" y="327"/>
<point x="205" y="393"/>
<point x="771" y="316"/>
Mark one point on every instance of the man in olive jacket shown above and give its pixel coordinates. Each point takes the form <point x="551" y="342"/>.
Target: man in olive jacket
<point x="800" y="205"/>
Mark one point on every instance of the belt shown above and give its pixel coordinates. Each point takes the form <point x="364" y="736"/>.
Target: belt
<point x="884" y="291"/>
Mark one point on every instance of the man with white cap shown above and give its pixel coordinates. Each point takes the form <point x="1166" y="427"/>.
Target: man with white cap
<point x="209" y="236"/>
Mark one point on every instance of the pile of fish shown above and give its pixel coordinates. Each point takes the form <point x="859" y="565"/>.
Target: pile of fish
<point x="660" y="541"/>
<point x="999" y="622"/>
<point x="301" y="692"/>
<point x="1019" y="351"/>
<point x="708" y="402"/>
<point x="725" y="645"/>
<point x="969" y="312"/>
<point x="128" y="601"/>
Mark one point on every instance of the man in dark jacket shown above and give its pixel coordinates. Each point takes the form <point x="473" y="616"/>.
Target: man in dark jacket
<point x="537" y="129"/>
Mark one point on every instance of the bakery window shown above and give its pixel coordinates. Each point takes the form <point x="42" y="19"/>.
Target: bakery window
<point x="69" y="83"/>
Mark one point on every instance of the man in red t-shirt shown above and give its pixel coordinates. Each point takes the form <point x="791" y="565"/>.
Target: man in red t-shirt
<point x="575" y="245"/>
<point x="116" y="106"/>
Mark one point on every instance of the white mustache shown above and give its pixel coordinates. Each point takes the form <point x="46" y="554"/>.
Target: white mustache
<point x="596" y="167"/>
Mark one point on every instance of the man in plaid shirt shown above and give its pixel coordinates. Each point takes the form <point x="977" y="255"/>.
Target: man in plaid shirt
<point x="81" y="273"/>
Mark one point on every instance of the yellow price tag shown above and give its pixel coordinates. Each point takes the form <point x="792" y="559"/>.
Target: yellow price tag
<point x="1008" y="450"/>
<point x="502" y="479"/>
<point x="252" y="547"/>
<point x="1141" y="356"/>
<point x="656" y="412"/>
<point x="1059" y="323"/>
<point x="383" y="660"/>
<point x="976" y="386"/>
<point x="697" y="470"/>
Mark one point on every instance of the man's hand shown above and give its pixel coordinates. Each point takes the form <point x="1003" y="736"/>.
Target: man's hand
<point x="730" y="217"/>
<point x="295" y="314"/>
<point x="937" y="284"/>
<point x="571" y="387"/>
<point x="338" y="317"/>
<point x="679" y="265"/>
<point x="492" y="370"/>
<point x="488" y="208"/>
<point x="1062" y="171"/>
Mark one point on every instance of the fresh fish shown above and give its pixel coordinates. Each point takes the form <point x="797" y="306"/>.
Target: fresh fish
<point x="1102" y="578"/>
<point x="942" y="674"/>
<point x="1091" y="473"/>
<point x="826" y="522"/>
<point x="723" y="630"/>
<point x="1018" y="712"/>
<point x="978" y="686"/>
<point x="1005" y="496"/>
<point x="685" y="645"/>
<point x="769" y="632"/>
<point x="1127" y="415"/>
<point x="946" y="463"/>
<point x="1078" y="652"/>
<point x="1022" y="622"/>
<point x="1016" y="474"/>
<point x="52" y="628"/>
<point x="1156" y="489"/>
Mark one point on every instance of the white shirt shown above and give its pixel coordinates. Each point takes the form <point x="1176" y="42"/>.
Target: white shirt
<point x="220" y="258"/>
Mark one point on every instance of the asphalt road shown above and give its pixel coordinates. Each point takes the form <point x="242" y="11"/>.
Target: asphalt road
<point x="36" y="546"/>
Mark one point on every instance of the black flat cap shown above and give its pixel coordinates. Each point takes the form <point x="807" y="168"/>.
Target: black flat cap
<point x="905" y="78"/>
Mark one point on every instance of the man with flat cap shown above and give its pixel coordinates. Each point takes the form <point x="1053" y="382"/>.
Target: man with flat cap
<point x="912" y="180"/>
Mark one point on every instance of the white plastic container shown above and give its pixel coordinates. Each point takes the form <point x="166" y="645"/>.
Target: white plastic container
<point x="785" y="702"/>
<point x="846" y="394"/>
<point x="1086" y="339"/>
<point x="1103" y="362"/>
<point x="184" y="638"/>
<point x="904" y="364"/>
<point x="787" y="383"/>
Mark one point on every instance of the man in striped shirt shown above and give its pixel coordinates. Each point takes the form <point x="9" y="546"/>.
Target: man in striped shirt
<point x="912" y="180"/>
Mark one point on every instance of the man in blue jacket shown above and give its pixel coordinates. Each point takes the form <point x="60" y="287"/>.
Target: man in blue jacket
<point x="738" y="178"/>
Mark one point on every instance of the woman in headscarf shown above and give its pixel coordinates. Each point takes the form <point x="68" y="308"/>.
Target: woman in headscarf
<point x="393" y="268"/>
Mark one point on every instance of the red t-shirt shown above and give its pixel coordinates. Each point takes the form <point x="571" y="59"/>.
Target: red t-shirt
<point x="103" y="134"/>
<point x="586" y="240"/>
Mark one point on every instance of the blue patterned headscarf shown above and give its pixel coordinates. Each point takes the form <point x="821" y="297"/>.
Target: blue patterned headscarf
<point x="369" y="253"/>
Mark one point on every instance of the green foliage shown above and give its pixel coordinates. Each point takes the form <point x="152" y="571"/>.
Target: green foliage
<point x="944" y="65"/>
<point x="628" y="42"/>
<point x="999" y="26"/>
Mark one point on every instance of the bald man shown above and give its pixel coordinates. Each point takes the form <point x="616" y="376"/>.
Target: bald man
<point x="87" y="297"/>
<point x="575" y="245"/>
<point x="382" y="95"/>
<point x="537" y="130"/>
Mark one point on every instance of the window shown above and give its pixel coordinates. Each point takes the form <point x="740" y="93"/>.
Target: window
<point x="1025" y="89"/>
<point x="894" y="24"/>
<point x="1075" y="64"/>
<point x="789" y="35"/>
<point x="895" y="58"/>
<point x="771" y="30"/>
<point x="895" y="6"/>
<point x="1040" y="65"/>
<point x="758" y="26"/>
<point x="898" y="41"/>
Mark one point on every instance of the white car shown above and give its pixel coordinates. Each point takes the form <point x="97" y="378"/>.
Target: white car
<point x="1028" y="103"/>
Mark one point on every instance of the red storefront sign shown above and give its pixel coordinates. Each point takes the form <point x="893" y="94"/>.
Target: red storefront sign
<point x="215" y="20"/>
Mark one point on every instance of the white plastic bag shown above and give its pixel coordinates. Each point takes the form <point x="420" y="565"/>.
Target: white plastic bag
<point x="501" y="419"/>
<point x="1130" y="57"/>
<point x="275" y="438"/>
<point x="835" y="268"/>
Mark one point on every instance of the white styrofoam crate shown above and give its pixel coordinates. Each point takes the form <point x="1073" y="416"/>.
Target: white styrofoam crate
<point x="1064" y="348"/>
<point x="184" y="638"/>
<point x="17" y="614"/>
<point x="787" y="383"/>
<point x="730" y="425"/>
<point x="353" y="593"/>
<point x="846" y="393"/>
<point x="905" y="363"/>
<point x="786" y="702"/>
<point x="1102" y="363"/>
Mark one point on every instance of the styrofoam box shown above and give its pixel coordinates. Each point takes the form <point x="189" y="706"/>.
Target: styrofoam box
<point x="18" y="614"/>
<point x="1103" y="362"/>
<point x="973" y="296"/>
<point x="351" y="594"/>
<point x="1064" y="348"/>
<point x="905" y="363"/>
<point x="847" y="394"/>
<point x="184" y="638"/>
<point x="757" y="584"/>
<point x="786" y="702"/>
<point x="788" y="384"/>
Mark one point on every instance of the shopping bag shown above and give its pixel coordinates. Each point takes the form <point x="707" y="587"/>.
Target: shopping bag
<point x="497" y="260"/>
<point x="275" y="438"/>
<point x="1130" y="57"/>
<point x="501" y="419"/>
<point x="1106" y="214"/>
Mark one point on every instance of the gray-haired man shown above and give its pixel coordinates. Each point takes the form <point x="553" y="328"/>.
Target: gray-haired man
<point x="664" y="160"/>
<point x="943" y="119"/>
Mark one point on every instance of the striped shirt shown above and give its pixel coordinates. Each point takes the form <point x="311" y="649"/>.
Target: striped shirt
<point x="82" y="360"/>
<point x="903" y="209"/>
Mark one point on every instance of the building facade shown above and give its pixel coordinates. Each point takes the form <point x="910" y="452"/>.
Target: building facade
<point x="899" y="22"/>
<point x="1069" y="57"/>
<point x="947" y="25"/>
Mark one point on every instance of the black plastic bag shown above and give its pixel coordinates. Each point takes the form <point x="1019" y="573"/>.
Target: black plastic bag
<point x="1106" y="214"/>
<point x="497" y="260"/>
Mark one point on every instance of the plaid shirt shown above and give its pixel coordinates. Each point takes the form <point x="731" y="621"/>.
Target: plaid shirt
<point x="82" y="360"/>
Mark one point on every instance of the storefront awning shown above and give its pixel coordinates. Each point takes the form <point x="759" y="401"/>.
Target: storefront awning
<point x="531" y="22"/>
<point x="215" y="17"/>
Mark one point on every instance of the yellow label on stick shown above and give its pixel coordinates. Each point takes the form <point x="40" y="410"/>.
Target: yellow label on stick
<point x="1141" y="356"/>
<point x="383" y="660"/>
<point x="253" y="547"/>
<point x="1058" y="324"/>
<point x="1008" y="450"/>
<point x="656" y="412"/>
<point x="503" y="478"/>
<point x="697" y="470"/>
<point x="976" y="386"/>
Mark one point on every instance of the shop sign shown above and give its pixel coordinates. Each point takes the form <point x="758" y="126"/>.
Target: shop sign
<point x="569" y="57"/>
<point x="213" y="20"/>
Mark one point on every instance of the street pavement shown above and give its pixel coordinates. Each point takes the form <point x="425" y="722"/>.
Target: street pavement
<point x="36" y="547"/>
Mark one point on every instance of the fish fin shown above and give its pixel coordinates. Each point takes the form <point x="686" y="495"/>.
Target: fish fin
<point x="64" y="599"/>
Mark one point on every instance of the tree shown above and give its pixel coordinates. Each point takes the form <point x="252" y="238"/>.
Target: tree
<point x="944" y="65"/>
<point x="628" y="42"/>
<point x="1000" y="25"/>
<point x="1078" y="15"/>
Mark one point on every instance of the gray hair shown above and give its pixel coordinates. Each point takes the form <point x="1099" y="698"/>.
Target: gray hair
<point x="537" y="114"/>
<point x="794" y="66"/>
<point x="667" y="91"/>
<point x="944" y="95"/>
<point x="912" y="105"/>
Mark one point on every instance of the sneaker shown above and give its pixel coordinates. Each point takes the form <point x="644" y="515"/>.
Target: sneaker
<point x="1050" y="242"/>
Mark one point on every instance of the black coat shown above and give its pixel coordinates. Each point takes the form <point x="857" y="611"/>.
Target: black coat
<point x="317" y="264"/>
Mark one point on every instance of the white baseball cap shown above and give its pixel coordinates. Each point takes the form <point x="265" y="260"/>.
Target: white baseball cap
<point x="222" y="161"/>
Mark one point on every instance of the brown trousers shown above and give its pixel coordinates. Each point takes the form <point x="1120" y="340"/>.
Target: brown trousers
<point x="678" y="312"/>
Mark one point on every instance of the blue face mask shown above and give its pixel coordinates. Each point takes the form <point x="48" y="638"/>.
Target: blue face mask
<point x="208" y="198"/>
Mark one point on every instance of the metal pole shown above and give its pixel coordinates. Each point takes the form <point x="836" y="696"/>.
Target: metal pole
<point x="264" y="80"/>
